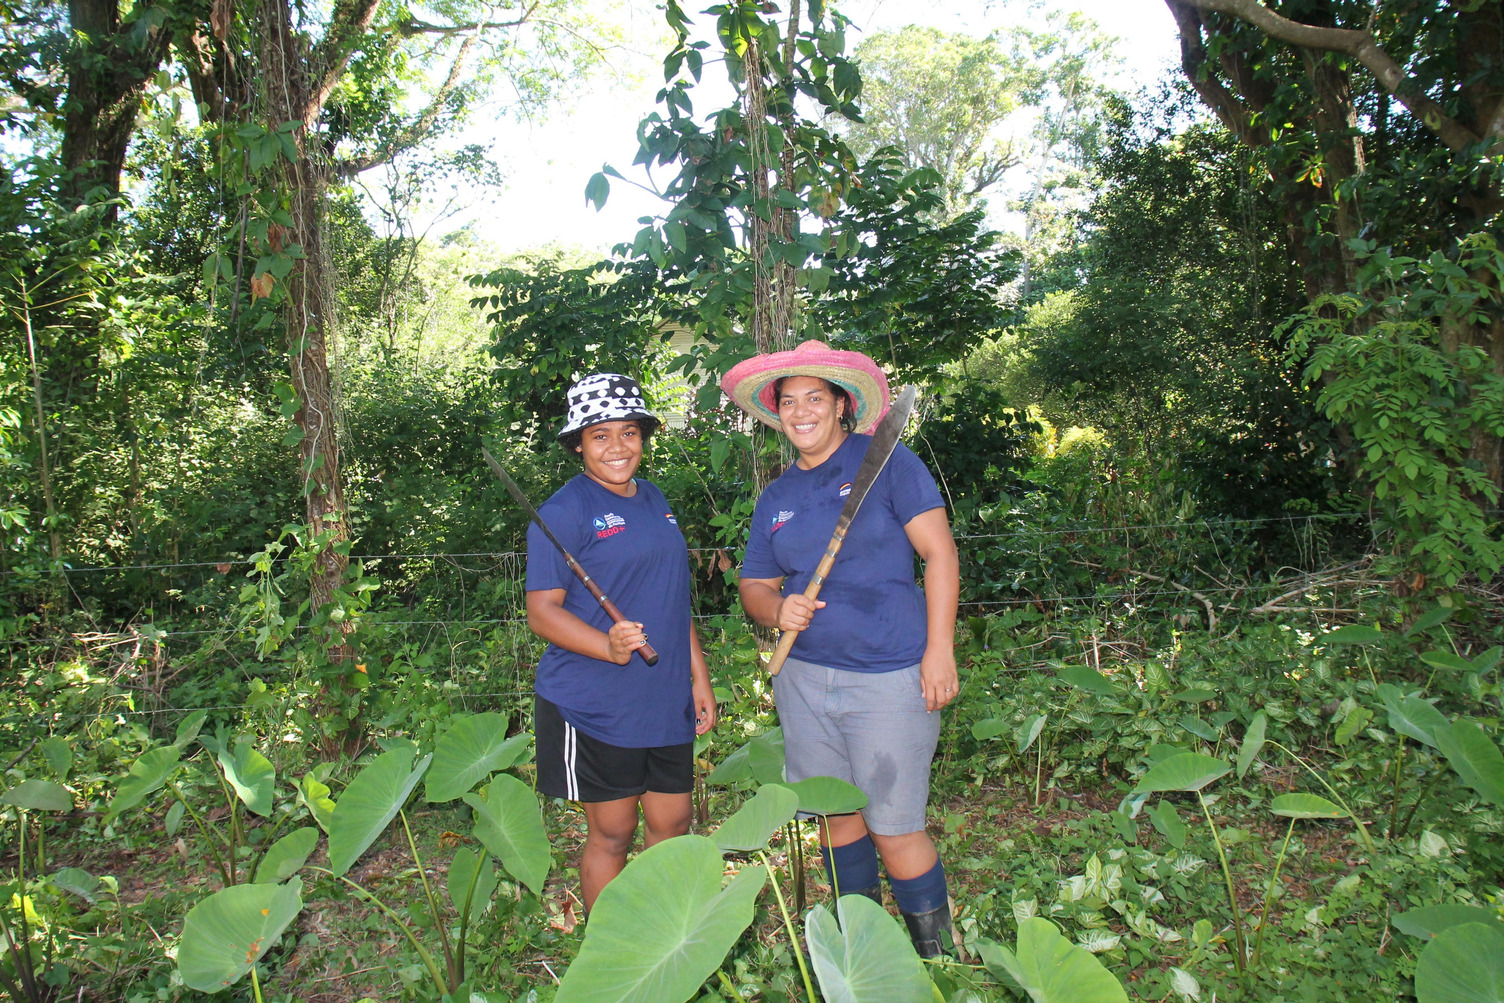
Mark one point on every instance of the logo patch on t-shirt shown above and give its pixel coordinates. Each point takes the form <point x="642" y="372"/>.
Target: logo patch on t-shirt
<point x="782" y="517"/>
<point x="608" y="525"/>
<point x="845" y="489"/>
<point x="670" y="517"/>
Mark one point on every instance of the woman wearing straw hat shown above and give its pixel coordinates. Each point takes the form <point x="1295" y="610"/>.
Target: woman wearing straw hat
<point x="613" y="732"/>
<point x="860" y="695"/>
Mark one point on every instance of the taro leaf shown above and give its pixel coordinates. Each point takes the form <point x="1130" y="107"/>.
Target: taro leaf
<point x="1253" y="742"/>
<point x="1429" y="619"/>
<point x="1053" y="970"/>
<point x="1427" y="921"/>
<point x="1414" y="717"/>
<point x="469" y="752"/>
<point x="1487" y="660"/>
<point x="1029" y="731"/>
<point x="1474" y="756"/>
<point x="59" y="756"/>
<point x="226" y="933"/>
<point x="147" y="774"/>
<point x="38" y="795"/>
<point x="286" y="856"/>
<point x="1446" y="660"/>
<point x="1160" y="751"/>
<point x="1189" y="771"/>
<point x="316" y="796"/>
<point x="1167" y="820"/>
<point x="509" y="824"/>
<point x="989" y="728"/>
<point x="662" y="926"/>
<point x="369" y="804"/>
<point x="462" y="875"/>
<point x="252" y="776"/>
<point x="1305" y="806"/>
<point x="1194" y="695"/>
<point x="1464" y="964"/>
<point x="1084" y="677"/>
<point x="760" y="758"/>
<point x="77" y="881"/>
<point x="188" y="728"/>
<point x="867" y="958"/>
<point x="1353" y="633"/>
<point x="1355" y="721"/>
<point x="828" y="796"/>
<point x="1198" y="727"/>
<point x="764" y="813"/>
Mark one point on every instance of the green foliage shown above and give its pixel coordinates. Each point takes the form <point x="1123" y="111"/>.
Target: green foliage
<point x="1389" y="363"/>
<point x="228" y="932"/>
<point x="865" y="957"/>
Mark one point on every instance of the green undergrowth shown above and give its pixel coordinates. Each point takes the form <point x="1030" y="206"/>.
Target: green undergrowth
<point x="1049" y="802"/>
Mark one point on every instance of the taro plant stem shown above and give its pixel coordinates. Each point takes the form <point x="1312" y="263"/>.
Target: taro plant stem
<point x="433" y="906"/>
<point x="1232" y="894"/>
<point x="1258" y="940"/>
<point x="788" y="925"/>
<point x="427" y="958"/>
<point x="730" y="986"/>
<point x="219" y="861"/>
<point x="1394" y="805"/>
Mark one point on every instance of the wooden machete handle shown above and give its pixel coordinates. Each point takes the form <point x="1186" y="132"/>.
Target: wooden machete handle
<point x="645" y="650"/>
<point x="811" y="591"/>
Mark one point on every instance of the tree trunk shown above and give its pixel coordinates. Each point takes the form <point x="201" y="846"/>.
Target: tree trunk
<point x="107" y="69"/>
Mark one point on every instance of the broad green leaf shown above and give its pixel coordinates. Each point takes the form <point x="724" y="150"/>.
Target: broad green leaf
<point x="1194" y="695"/>
<point x="1305" y="806"/>
<point x="1356" y="720"/>
<point x="147" y="775"/>
<point x="1253" y="742"/>
<point x="286" y="856"/>
<point x="1463" y="964"/>
<point x="1353" y="633"/>
<point x="316" y="796"/>
<point x="1085" y="677"/>
<point x="38" y="795"/>
<point x="188" y="728"/>
<point x="1198" y="727"/>
<point x="1167" y="820"/>
<point x="462" y="873"/>
<point x="1487" y="660"/>
<point x="1160" y="751"/>
<point x="1053" y="970"/>
<point x="761" y="815"/>
<point x="1414" y="717"/>
<point x="1427" y="921"/>
<point x="468" y="753"/>
<point x="868" y="958"/>
<point x="1430" y="618"/>
<point x="1446" y="660"/>
<point x="828" y="796"/>
<point x="760" y="759"/>
<point x="509" y="824"/>
<point x="251" y="775"/>
<point x="1474" y="756"/>
<point x="988" y="729"/>
<point x="226" y="933"/>
<point x="1189" y="771"/>
<point x="59" y="756"/>
<point x="1029" y="731"/>
<point x="662" y="926"/>
<point x="597" y="190"/>
<point x="369" y="804"/>
<point x="77" y="881"/>
<point x="174" y="819"/>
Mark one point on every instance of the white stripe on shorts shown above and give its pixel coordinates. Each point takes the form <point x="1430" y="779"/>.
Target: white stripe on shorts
<point x="571" y="781"/>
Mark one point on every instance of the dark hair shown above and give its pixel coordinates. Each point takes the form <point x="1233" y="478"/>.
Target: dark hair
<point x="848" y="413"/>
<point x="572" y="441"/>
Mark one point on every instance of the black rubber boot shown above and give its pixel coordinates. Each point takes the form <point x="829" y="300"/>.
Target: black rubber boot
<point x="873" y="892"/>
<point x="925" y="930"/>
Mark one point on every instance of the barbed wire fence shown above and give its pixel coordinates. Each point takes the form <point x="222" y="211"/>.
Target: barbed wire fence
<point x="479" y="653"/>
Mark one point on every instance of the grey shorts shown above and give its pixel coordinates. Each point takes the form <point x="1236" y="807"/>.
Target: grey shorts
<point x="868" y="728"/>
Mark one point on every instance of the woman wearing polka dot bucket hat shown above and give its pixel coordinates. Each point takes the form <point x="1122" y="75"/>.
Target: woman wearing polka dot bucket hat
<point x="614" y="733"/>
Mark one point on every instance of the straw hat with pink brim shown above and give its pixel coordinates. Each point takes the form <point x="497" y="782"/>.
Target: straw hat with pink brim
<point x="750" y="382"/>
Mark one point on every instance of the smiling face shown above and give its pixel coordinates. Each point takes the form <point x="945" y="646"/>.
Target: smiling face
<point x="611" y="451"/>
<point x="810" y="413"/>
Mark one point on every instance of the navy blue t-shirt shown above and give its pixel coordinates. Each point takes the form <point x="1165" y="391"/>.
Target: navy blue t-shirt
<point x="874" y="619"/>
<point x="634" y="551"/>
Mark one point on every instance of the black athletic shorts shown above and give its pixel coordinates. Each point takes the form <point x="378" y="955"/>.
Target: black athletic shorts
<point x="575" y="766"/>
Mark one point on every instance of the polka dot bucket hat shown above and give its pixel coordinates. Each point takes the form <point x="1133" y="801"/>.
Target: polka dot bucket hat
<point x="606" y="397"/>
